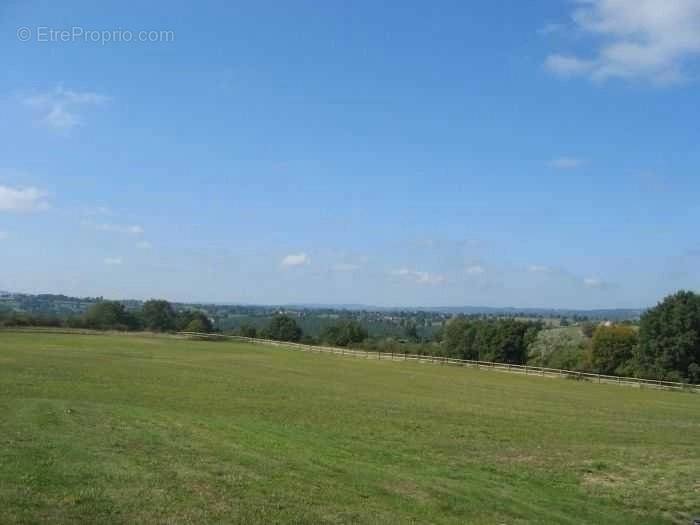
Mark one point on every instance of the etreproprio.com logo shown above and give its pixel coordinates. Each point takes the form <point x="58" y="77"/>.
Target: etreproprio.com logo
<point x="80" y="34"/>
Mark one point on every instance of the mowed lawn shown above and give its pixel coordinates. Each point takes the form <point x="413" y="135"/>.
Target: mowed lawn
<point x="126" y="429"/>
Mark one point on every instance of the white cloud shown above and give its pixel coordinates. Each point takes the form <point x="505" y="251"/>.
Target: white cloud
<point x="637" y="39"/>
<point x="565" y="163"/>
<point x="3" y="235"/>
<point x="419" y="277"/>
<point x="145" y="245"/>
<point x="475" y="269"/>
<point x="120" y="228"/>
<point x="295" y="259"/>
<point x="538" y="268"/>
<point x="60" y="109"/>
<point x="113" y="261"/>
<point x="22" y="199"/>
<point x="593" y="282"/>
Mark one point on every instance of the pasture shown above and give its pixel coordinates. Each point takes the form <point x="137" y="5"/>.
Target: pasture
<point x="138" y="428"/>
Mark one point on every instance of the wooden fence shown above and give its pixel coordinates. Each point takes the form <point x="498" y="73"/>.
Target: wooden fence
<point x="438" y="360"/>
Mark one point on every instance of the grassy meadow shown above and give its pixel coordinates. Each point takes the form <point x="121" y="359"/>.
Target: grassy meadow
<point x="135" y="428"/>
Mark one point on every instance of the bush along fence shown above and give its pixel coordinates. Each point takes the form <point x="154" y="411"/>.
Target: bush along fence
<point x="438" y="360"/>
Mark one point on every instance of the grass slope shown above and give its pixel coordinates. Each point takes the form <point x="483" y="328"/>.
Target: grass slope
<point x="130" y="429"/>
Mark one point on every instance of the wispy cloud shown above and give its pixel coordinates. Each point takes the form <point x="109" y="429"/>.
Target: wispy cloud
<point x="22" y="199"/>
<point x="595" y="283"/>
<point x="3" y="235"/>
<point x="61" y="109"/>
<point x="637" y="39"/>
<point x="419" y="277"/>
<point x="113" y="261"/>
<point x="144" y="245"/>
<point x="539" y="268"/>
<point x="120" y="228"/>
<point x="565" y="163"/>
<point x="475" y="269"/>
<point x="295" y="259"/>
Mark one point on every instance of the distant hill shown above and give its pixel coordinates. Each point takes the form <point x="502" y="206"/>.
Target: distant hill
<point x="53" y="304"/>
<point x="600" y="313"/>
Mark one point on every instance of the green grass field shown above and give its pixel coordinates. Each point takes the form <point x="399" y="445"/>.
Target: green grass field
<point x="125" y="429"/>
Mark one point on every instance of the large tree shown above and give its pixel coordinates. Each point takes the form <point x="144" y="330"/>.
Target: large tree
<point x="343" y="333"/>
<point x="458" y="338"/>
<point x="248" y="330"/>
<point x="158" y="316"/>
<point x="193" y="321"/>
<point x="566" y="348"/>
<point x="110" y="315"/>
<point x="283" y="328"/>
<point x="503" y="340"/>
<point x="669" y="339"/>
<point x="613" y="348"/>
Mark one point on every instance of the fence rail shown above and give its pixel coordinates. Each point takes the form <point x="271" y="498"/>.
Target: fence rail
<point x="438" y="360"/>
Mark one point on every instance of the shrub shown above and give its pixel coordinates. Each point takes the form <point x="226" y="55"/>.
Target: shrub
<point x="613" y="349"/>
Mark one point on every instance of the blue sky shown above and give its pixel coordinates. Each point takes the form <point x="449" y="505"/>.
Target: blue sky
<point x="539" y="153"/>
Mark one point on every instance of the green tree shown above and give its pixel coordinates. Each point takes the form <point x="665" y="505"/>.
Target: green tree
<point x="588" y="328"/>
<point x="197" y="325"/>
<point x="110" y="315"/>
<point x="613" y="348"/>
<point x="186" y="319"/>
<point x="458" y="338"/>
<point x="502" y="340"/>
<point x="565" y="348"/>
<point x="411" y="332"/>
<point x="669" y="339"/>
<point x="344" y="333"/>
<point x="283" y="328"/>
<point x="248" y="330"/>
<point x="158" y="316"/>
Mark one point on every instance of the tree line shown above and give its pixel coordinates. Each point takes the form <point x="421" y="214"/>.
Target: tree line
<point x="665" y="345"/>
<point x="155" y="315"/>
